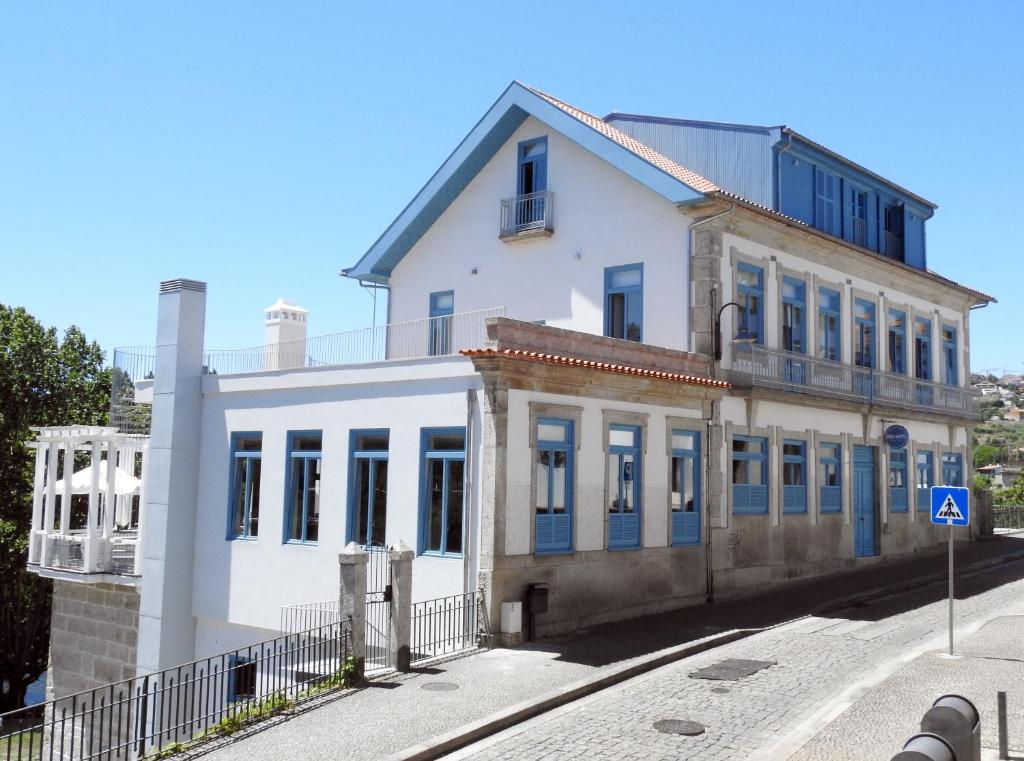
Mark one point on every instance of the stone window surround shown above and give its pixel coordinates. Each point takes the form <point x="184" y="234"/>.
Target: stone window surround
<point x="936" y="448"/>
<point x="874" y="298"/>
<point x="620" y="417"/>
<point x="812" y="308"/>
<point x="814" y="498"/>
<point x="697" y="425"/>
<point x="764" y="264"/>
<point x="807" y="437"/>
<point x="768" y="432"/>
<point x="573" y="413"/>
<point x="908" y="335"/>
<point x="810" y="315"/>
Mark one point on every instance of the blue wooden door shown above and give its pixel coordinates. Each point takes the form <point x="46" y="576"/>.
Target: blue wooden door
<point x="863" y="501"/>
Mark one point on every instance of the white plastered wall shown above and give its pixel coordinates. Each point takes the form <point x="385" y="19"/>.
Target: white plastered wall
<point x="241" y="585"/>
<point x="602" y="218"/>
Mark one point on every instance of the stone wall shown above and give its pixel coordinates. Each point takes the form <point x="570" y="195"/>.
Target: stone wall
<point x="93" y="636"/>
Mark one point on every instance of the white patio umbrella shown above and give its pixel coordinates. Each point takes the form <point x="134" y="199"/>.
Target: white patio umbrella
<point x="81" y="481"/>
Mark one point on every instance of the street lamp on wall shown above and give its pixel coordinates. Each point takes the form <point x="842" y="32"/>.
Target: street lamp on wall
<point x="743" y="335"/>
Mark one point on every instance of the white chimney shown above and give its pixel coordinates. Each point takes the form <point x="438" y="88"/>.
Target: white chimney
<point x="286" y="324"/>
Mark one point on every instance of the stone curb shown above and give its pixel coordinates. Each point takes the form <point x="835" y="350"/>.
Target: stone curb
<point x="460" y="737"/>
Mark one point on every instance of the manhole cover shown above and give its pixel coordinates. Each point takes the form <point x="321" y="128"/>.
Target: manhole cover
<point x="439" y="686"/>
<point x="679" y="727"/>
<point x="720" y="690"/>
<point x="731" y="669"/>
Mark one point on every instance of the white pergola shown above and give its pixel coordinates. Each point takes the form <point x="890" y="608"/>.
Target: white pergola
<point x="110" y="491"/>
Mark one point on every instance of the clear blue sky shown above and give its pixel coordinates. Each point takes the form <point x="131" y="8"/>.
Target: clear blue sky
<point x="261" y="147"/>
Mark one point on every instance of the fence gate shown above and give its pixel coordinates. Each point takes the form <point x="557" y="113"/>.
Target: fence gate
<point x="378" y="607"/>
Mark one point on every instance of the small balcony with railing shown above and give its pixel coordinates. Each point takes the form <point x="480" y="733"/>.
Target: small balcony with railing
<point x="89" y="492"/>
<point x="761" y="367"/>
<point x="528" y="216"/>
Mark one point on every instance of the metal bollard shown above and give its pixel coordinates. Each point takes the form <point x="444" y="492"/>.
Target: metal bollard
<point x="925" y="747"/>
<point x="955" y="719"/>
<point x="1004" y="746"/>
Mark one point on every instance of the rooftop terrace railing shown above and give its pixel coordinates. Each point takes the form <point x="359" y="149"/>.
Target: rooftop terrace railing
<point x="799" y="373"/>
<point x="415" y="339"/>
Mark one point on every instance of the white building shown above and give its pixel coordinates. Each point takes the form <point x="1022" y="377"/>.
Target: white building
<point x="545" y="404"/>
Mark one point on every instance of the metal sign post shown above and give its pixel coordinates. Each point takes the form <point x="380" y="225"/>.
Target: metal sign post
<point x="951" y="506"/>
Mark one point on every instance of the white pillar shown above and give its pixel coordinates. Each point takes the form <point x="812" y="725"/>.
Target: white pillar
<point x="142" y="513"/>
<point x="166" y="623"/>
<point x="38" y="497"/>
<point x="50" y="506"/>
<point x="110" y="503"/>
<point x="65" y="499"/>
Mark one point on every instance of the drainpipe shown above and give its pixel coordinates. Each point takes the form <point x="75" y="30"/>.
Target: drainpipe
<point x="709" y="580"/>
<point x="690" y="240"/>
<point x="778" y="172"/>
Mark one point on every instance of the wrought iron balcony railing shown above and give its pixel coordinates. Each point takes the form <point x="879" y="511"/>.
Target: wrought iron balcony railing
<point x="532" y="213"/>
<point x="799" y="373"/>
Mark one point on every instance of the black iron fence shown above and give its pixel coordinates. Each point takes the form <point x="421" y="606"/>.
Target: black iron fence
<point x="171" y="708"/>
<point x="446" y="625"/>
<point x="378" y="607"/>
<point x="1008" y="517"/>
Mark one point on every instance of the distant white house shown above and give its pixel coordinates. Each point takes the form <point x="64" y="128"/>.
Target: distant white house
<point x="641" y="361"/>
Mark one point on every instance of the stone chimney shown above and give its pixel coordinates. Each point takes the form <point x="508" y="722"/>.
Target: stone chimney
<point x="286" y="325"/>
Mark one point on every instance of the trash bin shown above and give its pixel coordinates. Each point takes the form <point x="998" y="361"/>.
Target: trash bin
<point x="925" y="747"/>
<point x="955" y="719"/>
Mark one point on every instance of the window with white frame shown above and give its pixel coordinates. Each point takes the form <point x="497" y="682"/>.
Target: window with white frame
<point x="829" y="346"/>
<point x="925" y="480"/>
<point x="246" y="454"/>
<point x="950" y="374"/>
<point x="897" y="323"/>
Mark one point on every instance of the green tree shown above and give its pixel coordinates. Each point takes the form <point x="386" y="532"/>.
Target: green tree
<point x="1012" y="496"/>
<point x="44" y="380"/>
<point x="986" y="454"/>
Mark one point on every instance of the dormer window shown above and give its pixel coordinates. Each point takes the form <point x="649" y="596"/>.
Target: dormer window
<point x="529" y="212"/>
<point x="859" y="217"/>
<point x="825" y="185"/>
<point x="894" y="231"/>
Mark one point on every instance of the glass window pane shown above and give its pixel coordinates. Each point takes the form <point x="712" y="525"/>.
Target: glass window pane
<point x="255" y="465"/>
<point x="542" y="468"/>
<point x="792" y="449"/>
<point x="444" y="301"/>
<point x="297" y="487"/>
<point x="447" y="442"/>
<point x="310" y="443"/>
<point x="372" y="442"/>
<point x="380" y="501"/>
<point x="435" y="499"/>
<point x="634" y="316"/>
<point x="677" y="484"/>
<point x="628" y="484"/>
<point x="621" y="438"/>
<point x="684" y="440"/>
<point x="312" y="499"/>
<point x="750" y="278"/>
<point x="249" y="443"/>
<point x="552" y="432"/>
<point x="689" y="466"/>
<point x="617" y="315"/>
<point x="754" y="472"/>
<point x="614" y="467"/>
<point x="626" y="278"/>
<point x="560" y="474"/>
<point x="362" y="500"/>
<point x="864" y="310"/>
<point x="238" y="489"/>
<point x="453" y="541"/>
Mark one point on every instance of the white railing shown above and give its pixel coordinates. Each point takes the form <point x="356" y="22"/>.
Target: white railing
<point x="415" y="339"/>
<point x="528" y="213"/>
<point x="803" y="374"/>
<point x="309" y="615"/>
<point x="87" y="516"/>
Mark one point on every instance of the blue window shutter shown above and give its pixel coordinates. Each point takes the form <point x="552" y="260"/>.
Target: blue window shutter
<point x="831" y="497"/>
<point x="631" y="530"/>
<point x="615" y="532"/>
<point x="545" y="532"/>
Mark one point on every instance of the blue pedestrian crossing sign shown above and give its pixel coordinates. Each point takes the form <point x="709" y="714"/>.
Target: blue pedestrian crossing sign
<point x="951" y="505"/>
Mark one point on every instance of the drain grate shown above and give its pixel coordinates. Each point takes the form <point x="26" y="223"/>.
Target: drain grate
<point x="730" y="669"/>
<point x="439" y="686"/>
<point x="721" y="690"/>
<point x="679" y="727"/>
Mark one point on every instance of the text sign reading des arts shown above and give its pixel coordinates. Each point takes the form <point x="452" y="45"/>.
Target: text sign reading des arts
<point x="951" y="505"/>
<point x="896" y="436"/>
